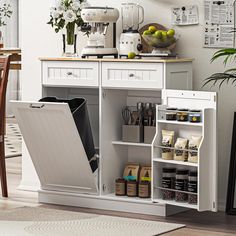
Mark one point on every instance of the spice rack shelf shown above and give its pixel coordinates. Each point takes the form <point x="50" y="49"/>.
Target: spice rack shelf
<point x="206" y="152"/>
<point x="173" y="190"/>
<point x="175" y="162"/>
<point x="132" y="144"/>
<point x="172" y="148"/>
<point x="187" y="123"/>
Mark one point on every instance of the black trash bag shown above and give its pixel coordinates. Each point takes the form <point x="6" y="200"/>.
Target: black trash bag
<point x="78" y="107"/>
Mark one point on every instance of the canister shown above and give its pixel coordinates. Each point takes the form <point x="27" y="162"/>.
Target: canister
<point x="181" y="181"/>
<point x="195" y="116"/>
<point x="171" y="113"/>
<point x="120" y="187"/>
<point x="144" y="189"/>
<point x="132" y="188"/>
<point x="182" y="114"/>
<point x="168" y="181"/>
<point x="192" y="187"/>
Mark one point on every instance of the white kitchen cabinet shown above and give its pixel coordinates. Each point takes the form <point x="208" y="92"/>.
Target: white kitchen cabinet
<point x="114" y="89"/>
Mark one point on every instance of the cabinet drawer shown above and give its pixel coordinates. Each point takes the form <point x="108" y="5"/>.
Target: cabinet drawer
<point x="132" y="75"/>
<point x="70" y="73"/>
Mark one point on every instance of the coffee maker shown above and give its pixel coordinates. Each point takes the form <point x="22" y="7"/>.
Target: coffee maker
<point x="130" y="39"/>
<point x="97" y="21"/>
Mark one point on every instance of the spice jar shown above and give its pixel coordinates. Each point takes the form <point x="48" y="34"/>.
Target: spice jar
<point x="168" y="181"/>
<point x="171" y="114"/>
<point x="144" y="189"/>
<point x="182" y="115"/>
<point x="195" y="116"/>
<point x="132" y="188"/>
<point x="192" y="187"/>
<point x="120" y="187"/>
<point x="181" y="181"/>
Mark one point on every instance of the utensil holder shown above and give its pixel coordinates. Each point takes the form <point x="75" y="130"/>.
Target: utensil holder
<point x="149" y="133"/>
<point x="132" y="133"/>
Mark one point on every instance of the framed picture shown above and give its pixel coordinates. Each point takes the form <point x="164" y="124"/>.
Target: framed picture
<point x="231" y="193"/>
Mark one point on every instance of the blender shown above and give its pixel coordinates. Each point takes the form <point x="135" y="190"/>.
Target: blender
<point x="130" y="39"/>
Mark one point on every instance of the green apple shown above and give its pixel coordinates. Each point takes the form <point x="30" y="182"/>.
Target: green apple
<point x="158" y="34"/>
<point x="131" y="55"/>
<point x="164" y="36"/>
<point x="171" y="33"/>
<point x="152" y="29"/>
<point x="147" y="32"/>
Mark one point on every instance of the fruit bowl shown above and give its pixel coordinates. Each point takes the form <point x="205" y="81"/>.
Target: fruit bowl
<point x="160" y="43"/>
<point x="160" y="40"/>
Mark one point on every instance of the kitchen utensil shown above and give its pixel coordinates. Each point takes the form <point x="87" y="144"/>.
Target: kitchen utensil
<point x="130" y="39"/>
<point x="140" y="107"/>
<point x="126" y="114"/>
<point x="134" y="118"/>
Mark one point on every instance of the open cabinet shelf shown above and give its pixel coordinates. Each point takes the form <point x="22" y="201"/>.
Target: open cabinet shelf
<point x="173" y="162"/>
<point x="187" y="123"/>
<point x="132" y="144"/>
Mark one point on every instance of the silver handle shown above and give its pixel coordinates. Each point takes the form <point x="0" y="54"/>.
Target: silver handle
<point x="131" y="75"/>
<point x="69" y="73"/>
<point x="36" y="106"/>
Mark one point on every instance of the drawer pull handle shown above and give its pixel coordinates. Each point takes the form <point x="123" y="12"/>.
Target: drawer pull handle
<point x="69" y="73"/>
<point x="131" y="75"/>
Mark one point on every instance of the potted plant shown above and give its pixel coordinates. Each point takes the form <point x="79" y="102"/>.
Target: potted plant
<point x="5" y="12"/>
<point x="65" y="17"/>
<point x="228" y="76"/>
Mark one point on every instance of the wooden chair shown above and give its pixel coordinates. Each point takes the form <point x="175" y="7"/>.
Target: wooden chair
<point x="4" y="72"/>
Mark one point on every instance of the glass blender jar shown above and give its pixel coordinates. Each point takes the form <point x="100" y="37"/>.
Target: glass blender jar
<point x="130" y="39"/>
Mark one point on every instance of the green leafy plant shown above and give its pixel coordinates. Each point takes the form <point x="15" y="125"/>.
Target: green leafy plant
<point x="228" y="76"/>
<point x="5" y="12"/>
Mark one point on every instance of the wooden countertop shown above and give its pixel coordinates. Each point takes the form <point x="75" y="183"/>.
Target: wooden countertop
<point x="10" y="51"/>
<point x="15" y="56"/>
<point x="169" y="60"/>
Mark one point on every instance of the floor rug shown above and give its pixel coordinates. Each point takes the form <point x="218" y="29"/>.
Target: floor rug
<point x="13" y="141"/>
<point x="28" y="221"/>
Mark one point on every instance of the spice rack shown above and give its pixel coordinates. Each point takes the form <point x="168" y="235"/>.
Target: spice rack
<point x="207" y="157"/>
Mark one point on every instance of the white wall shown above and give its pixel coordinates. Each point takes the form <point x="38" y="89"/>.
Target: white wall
<point x="39" y="40"/>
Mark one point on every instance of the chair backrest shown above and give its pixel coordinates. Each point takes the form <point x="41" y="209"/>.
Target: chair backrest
<point x="4" y="72"/>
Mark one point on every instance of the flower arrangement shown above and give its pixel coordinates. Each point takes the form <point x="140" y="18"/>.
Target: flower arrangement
<point x="5" y="12"/>
<point x="66" y="14"/>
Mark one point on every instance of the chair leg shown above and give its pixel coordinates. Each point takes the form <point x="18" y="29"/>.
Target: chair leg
<point x="3" y="174"/>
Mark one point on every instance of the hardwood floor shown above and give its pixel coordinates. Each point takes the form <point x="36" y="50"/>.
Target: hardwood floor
<point x="197" y="224"/>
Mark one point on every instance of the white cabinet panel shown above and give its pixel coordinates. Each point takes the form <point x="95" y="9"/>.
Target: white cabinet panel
<point x="70" y="73"/>
<point x="132" y="75"/>
<point x="55" y="147"/>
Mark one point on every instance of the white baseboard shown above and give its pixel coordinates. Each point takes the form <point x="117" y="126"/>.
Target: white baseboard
<point x="98" y="202"/>
<point x="29" y="186"/>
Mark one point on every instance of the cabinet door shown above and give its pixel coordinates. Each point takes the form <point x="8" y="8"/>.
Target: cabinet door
<point x="55" y="147"/>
